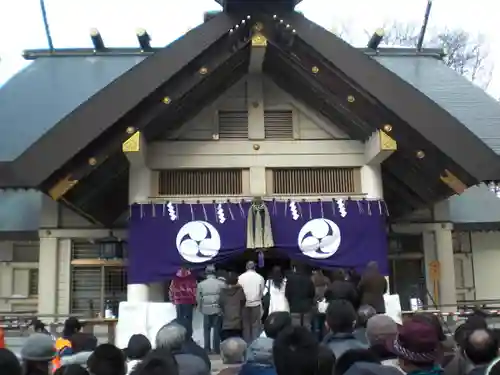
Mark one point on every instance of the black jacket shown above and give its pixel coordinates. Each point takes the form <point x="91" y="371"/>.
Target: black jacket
<point x="300" y="293"/>
<point x="343" y="290"/>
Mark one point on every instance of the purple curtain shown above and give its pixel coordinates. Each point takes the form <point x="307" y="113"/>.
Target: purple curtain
<point x="331" y="234"/>
<point x="164" y="237"/>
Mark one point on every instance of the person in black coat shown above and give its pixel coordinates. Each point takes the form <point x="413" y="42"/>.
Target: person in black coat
<point x="300" y="293"/>
<point x="342" y="289"/>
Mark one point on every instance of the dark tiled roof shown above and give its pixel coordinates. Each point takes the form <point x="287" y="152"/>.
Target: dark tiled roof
<point x="49" y="89"/>
<point x="20" y="210"/>
<point x="462" y="99"/>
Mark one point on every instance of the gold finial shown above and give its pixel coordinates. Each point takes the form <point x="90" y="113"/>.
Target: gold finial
<point x="315" y="69"/>
<point x="94" y="32"/>
<point x="350" y="99"/>
<point x="92" y="161"/>
<point x="380" y="32"/>
<point x="130" y="130"/>
<point x="387" y="128"/>
<point x="167" y="100"/>
<point x="259" y="40"/>
<point x="203" y="70"/>
<point x="420" y="154"/>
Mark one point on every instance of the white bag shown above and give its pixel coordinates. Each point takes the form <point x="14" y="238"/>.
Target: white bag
<point x="322" y="306"/>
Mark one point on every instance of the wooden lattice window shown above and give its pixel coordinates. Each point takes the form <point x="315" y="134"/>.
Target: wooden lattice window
<point x="313" y="181"/>
<point x="232" y="124"/>
<point x="92" y="285"/>
<point x="278" y="124"/>
<point x="201" y="182"/>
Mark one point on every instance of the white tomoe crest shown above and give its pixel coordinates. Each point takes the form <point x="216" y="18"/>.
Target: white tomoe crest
<point x="198" y="241"/>
<point x="319" y="238"/>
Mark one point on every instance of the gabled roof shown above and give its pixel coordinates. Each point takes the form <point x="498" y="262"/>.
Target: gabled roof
<point x="48" y="90"/>
<point x="316" y="67"/>
<point x="20" y="214"/>
<point x="466" y="102"/>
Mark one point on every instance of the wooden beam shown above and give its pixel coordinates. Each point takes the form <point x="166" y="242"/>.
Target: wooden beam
<point x="379" y="147"/>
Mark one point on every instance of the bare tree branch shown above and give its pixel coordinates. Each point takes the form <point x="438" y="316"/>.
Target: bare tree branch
<point x="466" y="53"/>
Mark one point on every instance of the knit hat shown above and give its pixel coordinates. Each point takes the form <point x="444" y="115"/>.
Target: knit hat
<point x="417" y="341"/>
<point x="38" y="347"/>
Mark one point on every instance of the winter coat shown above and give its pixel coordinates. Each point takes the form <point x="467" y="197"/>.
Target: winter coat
<point x="321" y="284"/>
<point x="341" y="289"/>
<point x="339" y="343"/>
<point x="372" y="288"/>
<point x="232" y="301"/>
<point x="208" y="294"/>
<point x="183" y="288"/>
<point x="300" y="293"/>
<point x="259" y="358"/>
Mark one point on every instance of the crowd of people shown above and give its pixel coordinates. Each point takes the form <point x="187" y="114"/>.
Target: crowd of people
<point x="359" y="339"/>
<point x="237" y="305"/>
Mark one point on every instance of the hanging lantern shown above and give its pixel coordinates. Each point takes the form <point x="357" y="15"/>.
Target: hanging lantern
<point x="111" y="247"/>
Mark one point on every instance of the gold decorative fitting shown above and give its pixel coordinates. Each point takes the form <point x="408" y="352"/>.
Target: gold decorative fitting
<point x="92" y="161"/>
<point x="203" y="71"/>
<point x="133" y="144"/>
<point x="387" y="128"/>
<point x="420" y="154"/>
<point x="259" y="40"/>
<point x="380" y="32"/>
<point x="453" y="182"/>
<point x="167" y="100"/>
<point x="350" y="99"/>
<point x="94" y="32"/>
<point x="62" y="187"/>
<point x="315" y="69"/>
<point x="256" y="147"/>
<point x="387" y="143"/>
<point x="130" y="130"/>
<point x="258" y="27"/>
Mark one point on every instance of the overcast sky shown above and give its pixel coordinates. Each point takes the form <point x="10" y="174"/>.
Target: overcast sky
<point x="21" y="25"/>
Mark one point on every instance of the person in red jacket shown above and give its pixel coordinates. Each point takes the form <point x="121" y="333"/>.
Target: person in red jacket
<point x="182" y="294"/>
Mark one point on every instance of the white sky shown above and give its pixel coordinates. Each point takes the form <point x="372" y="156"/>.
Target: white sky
<point x="166" y="20"/>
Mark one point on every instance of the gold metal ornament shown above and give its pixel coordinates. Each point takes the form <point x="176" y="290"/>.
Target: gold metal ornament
<point x="167" y="100"/>
<point x="387" y="143"/>
<point x="133" y="144"/>
<point x="387" y="128"/>
<point x="130" y="130"/>
<point x="259" y="40"/>
<point x="92" y="161"/>
<point x="315" y="69"/>
<point x="62" y="187"/>
<point x="351" y="99"/>
<point x="203" y="71"/>
<point x="453" y="182"/>
<point x="420" y="154"/>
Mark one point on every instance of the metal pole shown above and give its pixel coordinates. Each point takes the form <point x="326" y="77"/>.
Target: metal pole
<point x="424" y="26"/>
<point x="46" y="25"/>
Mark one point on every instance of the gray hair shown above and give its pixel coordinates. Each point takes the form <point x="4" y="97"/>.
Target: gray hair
<point x="232" y="351"/>
<point x="171" y="336"/>
<point x="380" y="328"/>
